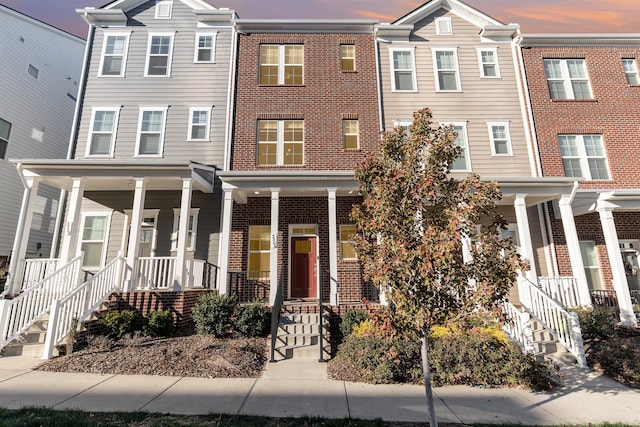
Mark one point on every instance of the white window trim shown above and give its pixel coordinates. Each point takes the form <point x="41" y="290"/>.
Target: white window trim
<point x="194" y="212"/>
<point x="584" y="159"/>
<point x="343" y="57"/>
<point x="345" y="134"/>
<point x="112" y="145"/>
<point x="595" y="267"/>
<point x="146" y="213"/>
<point x="159" y="4"/>
<point x="434" y="50"/>
<point x="257" y="251"/>
<point x="342" y="258"/>
<point x="490" y="126"/>
<point x="282" y="64"/>
<point x="495" y="57"/>
<point x="169" y="55"/>
<point x="124" y="54"/>
<point x="107" y="228"/>
<point x="280" y="143"/>
<point x="162" y="131"/>
<point x="443" y="20"/>
<point x="413" y="68"/>
<point x="196" y="49"/>
<point x="207" y="109"/>
<point x="406" y="124"/>
<point x="634" y="72"/>
<point x="5" y="141"/>
<point x="466" y="134"/>
<point x="566" y="79"/>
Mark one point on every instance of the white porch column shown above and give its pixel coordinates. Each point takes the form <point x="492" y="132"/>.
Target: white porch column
<point x="225" y="239"/>
<point x="273" y="264"/>
<point x="526" y="247"/>
<point x="333" y="249"/>
<point x="179" y="281"/>
<point x="573" y="246"/>
<point x="467" y="255"/>
<point x="21" y="240"/>
<point x="70" y="231"/>
<point x="137" y="212"/>
<point x="627" y="316"/>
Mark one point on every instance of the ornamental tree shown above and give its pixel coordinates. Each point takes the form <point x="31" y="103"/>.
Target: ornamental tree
<point x="410" y="230"/>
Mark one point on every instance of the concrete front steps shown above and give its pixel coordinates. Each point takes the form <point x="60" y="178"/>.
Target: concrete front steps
<point x="547" y="347"/>
<point x="31" y="342"/>
<point x="299" y="334"/>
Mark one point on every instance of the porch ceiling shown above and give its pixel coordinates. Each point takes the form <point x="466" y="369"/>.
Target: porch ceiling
<point x="587" y="201"/>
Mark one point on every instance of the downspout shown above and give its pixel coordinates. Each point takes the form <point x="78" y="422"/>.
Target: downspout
<point x="378" y="77"/>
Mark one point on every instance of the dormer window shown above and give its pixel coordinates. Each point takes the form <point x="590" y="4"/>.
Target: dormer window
<point x="164" y="9"/>
<point x="443" y="26"/>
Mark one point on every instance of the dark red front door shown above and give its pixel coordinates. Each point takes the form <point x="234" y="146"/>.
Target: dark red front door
<point x="303" y="267"/>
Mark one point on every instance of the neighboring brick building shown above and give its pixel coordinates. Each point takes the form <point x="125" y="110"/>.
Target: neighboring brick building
<point x="585" y="94"/>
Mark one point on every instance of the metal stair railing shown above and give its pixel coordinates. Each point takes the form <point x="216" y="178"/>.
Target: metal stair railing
<point x="275" y="317"/>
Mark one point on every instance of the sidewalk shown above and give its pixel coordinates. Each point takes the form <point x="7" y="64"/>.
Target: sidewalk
<point x="295" y="388"/>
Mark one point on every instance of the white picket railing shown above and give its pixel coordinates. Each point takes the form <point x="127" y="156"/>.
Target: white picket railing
<point x="562" y="324"/>
<point x="194" y="273"/>
<point x="36" y="269"/>
<point x="518" y="327"/>
<point x="563" y="289"/>
<point x="155" y="272"/>
<point x="76" y="307"/>
<point x="19" y="313"/>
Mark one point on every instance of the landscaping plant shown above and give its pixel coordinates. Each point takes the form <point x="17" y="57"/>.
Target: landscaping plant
<point x="252" y="320"/>
<point x="116" y="324"/>
<point x="159" y="324"/>
<point x="213" y="312"/>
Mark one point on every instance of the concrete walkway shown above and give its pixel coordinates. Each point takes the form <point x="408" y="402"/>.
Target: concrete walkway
<point x="295" y="388"/>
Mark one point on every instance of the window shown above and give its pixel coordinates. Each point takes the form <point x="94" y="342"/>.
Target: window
<point x="567" y="79"/>
<point x="348" y="57"/>
<point x="5" y="131"/>
<point x="591" y="264"/>
<point x="94" y="235"/>
<point x="500" y="138"/>
<point x="403" y="69"/>
<point x="259" y="251"/>
<point x="631" y="71"/>
<point x="114" y="55"/>
<point x="280" y="142"/>
<point x="151" y="132"/>
<point x="199" y="123"/>
<point x="350" y="134"/>
<point x="45" y="211"/>
<point x="462" y="163"/>
<point x="33" y="71"/>
<point x="488" y="61"/>
<point x="164" y="9"/>
<point x="405" y="124"/>
<point x="446" y="69"/>
<point x="159" y="55"/>
<point x="192" y="229"/>
<point x="205" y="48"/>
<point x="443" y="26"/>
<point x="584" y="156"/>
<point x="281" y="64"/>
<point x="347" y="251"/>
<point x="103" y="131"/>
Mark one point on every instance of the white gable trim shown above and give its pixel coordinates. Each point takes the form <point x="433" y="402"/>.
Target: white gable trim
<point x="127" y="5"/>
<point x="464" y="11"/>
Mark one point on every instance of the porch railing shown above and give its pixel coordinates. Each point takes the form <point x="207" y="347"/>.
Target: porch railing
<point x="604" y="298"/>
<point x="250" y="286"/>
<point x="155" y="272"/>
<point x="36" y="269"/>
<point x="69" y="312"/>
<point x="563" y="289"/>
<point x="518" y="327"/>
<point x="19" y="313"/>
<point x="275" y="316"/>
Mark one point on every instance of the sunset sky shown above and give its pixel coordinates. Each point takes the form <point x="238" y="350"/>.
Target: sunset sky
<point x="534" y="16"/>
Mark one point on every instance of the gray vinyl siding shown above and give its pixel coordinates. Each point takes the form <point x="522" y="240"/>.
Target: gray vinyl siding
<point x="28" y="104"/>
<point x="481" y="99"/>
<point x="189" y="85"/>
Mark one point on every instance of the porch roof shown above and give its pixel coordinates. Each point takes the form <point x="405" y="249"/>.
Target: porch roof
<point x="113" y="174"/>
<point x="622" y="200"/>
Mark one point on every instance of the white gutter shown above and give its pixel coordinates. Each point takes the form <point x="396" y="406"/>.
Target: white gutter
<point x="230" y="99"/>
<point x="378" y="77"/>
<point x="576" y="184"/>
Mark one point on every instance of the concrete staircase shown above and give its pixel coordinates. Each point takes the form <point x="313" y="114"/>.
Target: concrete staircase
<point x="31" y="342"/>
<point x="547" y="347"/>
<point x="299" y="335"/>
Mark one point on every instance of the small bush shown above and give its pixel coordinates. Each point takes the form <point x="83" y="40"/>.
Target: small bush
<point x="597" y="322"/>
<point x="118" y="323"/>
<point x="213" y="312"/>
<point x="159" y="324"/>
<point x="252" y="320"/>
<point x="351" y="318"/>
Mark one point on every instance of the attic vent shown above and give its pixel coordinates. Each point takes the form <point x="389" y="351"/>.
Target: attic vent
<point x="163" y="9"/>
<point x="443" y="26"/>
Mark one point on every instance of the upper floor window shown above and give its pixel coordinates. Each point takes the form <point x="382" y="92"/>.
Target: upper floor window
<point x="403" y="70"/>
<point x="205" y="48"/>
<point x="164" y="9"/>
<point x="631" y="71"/>
<point x="192" y="227"/>
<point x="159" y="55"/>
<point x="33" y="71"/>
<point x="280" y="142"/>
<point x="5" y="131"/>
<point x="151" y="125"/>
<point x="584" y="156"/>
<point x="445" y="64"/>
<point x="348" y="57"/>
<point x="443" y="26"/>
<point x="103" y="131"/>
<point x="281" y="64"/>
<point x="488" y="61"/>
<point x="567" y="79"/>
<point x="114" y="54"/>
<point x="350" y="134"/>
<point x="463" y="162"/>
<point x="199" y="123"/>
<point x="347" y="251"/>
<point x="500" y="138"/>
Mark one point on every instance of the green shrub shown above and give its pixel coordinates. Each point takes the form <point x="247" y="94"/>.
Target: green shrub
<point x="118" y="323"/>
<point x="252" y="320"/>
<point x="213" y="312"/>
<point x="159" y="324"/>
<point x="351" y="318"/>
<point x="597" y="322"/>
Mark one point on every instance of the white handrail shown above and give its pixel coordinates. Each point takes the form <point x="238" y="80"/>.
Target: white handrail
<point x="518" y="327"/>
<point x="24" y="310"/>
<point x="155" y="272"/>
<point x="73" y="309"/>
<point x="563" y="289"/>
<point x="37" y="269"/>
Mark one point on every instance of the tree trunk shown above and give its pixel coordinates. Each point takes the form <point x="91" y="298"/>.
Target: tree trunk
<point x="426" y="369"/>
